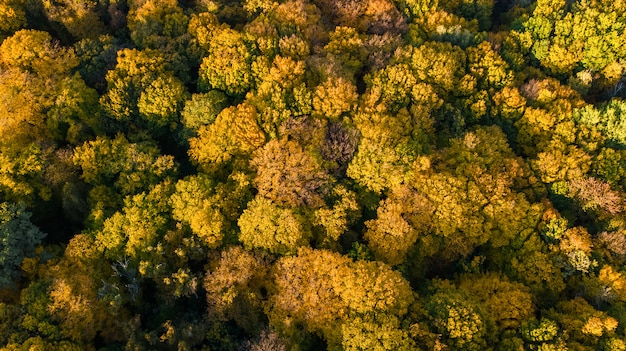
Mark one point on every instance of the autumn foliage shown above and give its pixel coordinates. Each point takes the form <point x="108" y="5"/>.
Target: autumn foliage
<point x="312" y="175"/>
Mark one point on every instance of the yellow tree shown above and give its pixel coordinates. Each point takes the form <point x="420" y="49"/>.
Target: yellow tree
<point x="289" y="176"/>
<point x="210" y="208"/>
<point x="40" y="97"/>
<point x="234" y="284"/>
<point x="401" y="218"/>
<point x="235" y="133"/>
<point x="80" y="18"/>
<point x="322" y="291"/>
<point x="14" y="17"/>
<point x="267" y="226"/>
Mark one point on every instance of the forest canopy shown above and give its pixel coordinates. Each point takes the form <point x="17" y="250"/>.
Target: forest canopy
<point x="312" y="175"/>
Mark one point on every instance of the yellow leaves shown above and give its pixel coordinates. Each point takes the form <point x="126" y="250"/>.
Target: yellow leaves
<point x="613" y="280"/>
<point x="64" y="298"/>
<point x="34" y="51"/>
<point x="457" y="319"/>
<point x="378" y="333"/>
<point x="80" y="18"/>
<point x="439" y="64"/>
<point x="234" y="133"/>
<point x="161" y="101"/>
<point x="597" y="327"/>
<point x="267" y="226"/>
<point x="288" y="175"/>
<point x="195" y="203"/>
<point x="136" y="65"/>
<point x="559" y="162"/>
<point x="507" y="303"/>
<point x="378" y="167"/>
<point x="335" y="220"/>
<point x="400" y="220"/>
<point x="294" y="47"/>
<point x="488" y="66"/>
<point x="13" y="16"/>
<point x="321" y="289"/>
<point x="334" y="97"/>
<point x="81" y="247"/>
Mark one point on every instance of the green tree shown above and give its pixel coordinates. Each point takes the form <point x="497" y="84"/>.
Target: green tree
<point x="459" y="320"/>
<point x="131" y="168"/>
<point x="153" y="24"/>
<point x="137" y="230"/>
<point x="202" y="109"/>
<point x="559" y="36"/>
<point x="227" y="65"/>
<point x="281" y="93"/>
<point x="18" y="238"/>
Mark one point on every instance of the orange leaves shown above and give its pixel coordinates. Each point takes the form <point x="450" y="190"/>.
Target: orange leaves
<point x="289" y="176"/>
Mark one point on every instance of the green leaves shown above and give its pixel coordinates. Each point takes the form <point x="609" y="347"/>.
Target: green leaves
<point x="18" y="239"/>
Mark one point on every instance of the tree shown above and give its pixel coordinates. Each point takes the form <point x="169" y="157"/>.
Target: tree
<point x="227" y="66"/>
<point x="281" y="93"/>
<point x="458" y="319"/>
<point x="14" y="17"/>
<point x="161" y="102"/>
<point x="334" y="98"/>
<point x="441" y="65"/>
<point x="21" y="175"/>
<point x="234" y="284"/>
<point x="138" y="228"/>
<point x="385" y="151"/>
<point x="507" y="303"/>
<point x="97" y="56"/>
<point x="322" y="290"/>
<point x="469" y="184"/>
<point x="585" y="325"/>
<point x="234" y="134"/>
<point x="558" y="35"/>
<point x="607" y="119"/>
<point x="267" y="226"/>
<point x="382" y="332"/>
<point x="40" y="97"/>
<point x="400" y="219"/>
<point x="203" y="109"/>
<point x="339" y="146"/>
<point x="80" y="18"/>
<point x="544" y="334"/>
<point x="143" y="93"/>
<point x="336" y="220"/>
<point x="153" y="23"/>
<point x="210" y="208"/>
<point x="490" y="70"/>
<point x="131" y="167"/>
<point x="18" y="239"/>
<point x="287" y="175"/>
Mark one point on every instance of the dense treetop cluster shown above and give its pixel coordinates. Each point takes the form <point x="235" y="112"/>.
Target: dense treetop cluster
<point x="312" y="174"/>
